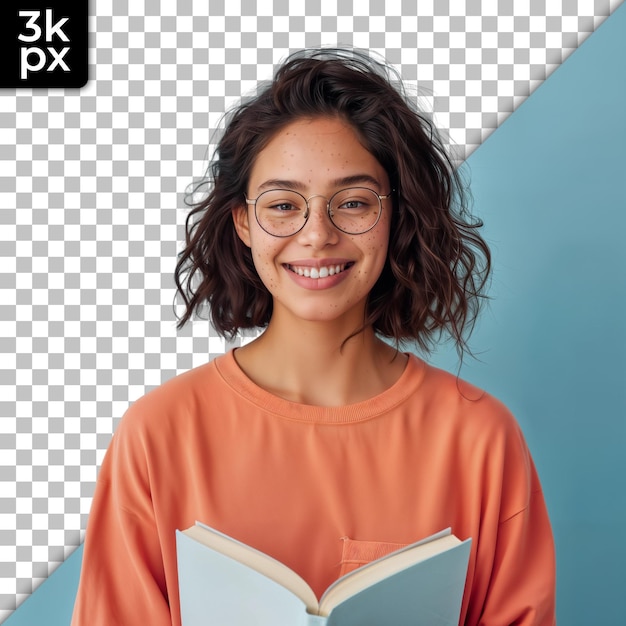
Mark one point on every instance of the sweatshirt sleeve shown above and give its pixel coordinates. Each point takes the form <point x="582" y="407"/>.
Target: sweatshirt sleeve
<point x="518" y="573"/>
<point x="122" y="579"/>
<point x="522" y="588"/>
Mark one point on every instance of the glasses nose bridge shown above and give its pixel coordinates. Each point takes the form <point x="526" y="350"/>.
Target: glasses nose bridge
<point x="317" y="195"/>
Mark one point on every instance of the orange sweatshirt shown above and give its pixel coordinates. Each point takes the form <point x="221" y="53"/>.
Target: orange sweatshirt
<point x="295" y="481"/>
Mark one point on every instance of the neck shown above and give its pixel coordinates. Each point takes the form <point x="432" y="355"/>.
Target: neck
<point x="319" y="365"/>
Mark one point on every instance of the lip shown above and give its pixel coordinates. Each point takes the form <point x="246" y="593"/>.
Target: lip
<point x="314" y="284"/>
<point x="317" y="263"/>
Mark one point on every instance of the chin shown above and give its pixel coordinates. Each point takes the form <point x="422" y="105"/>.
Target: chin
<point x="333" y="314"/>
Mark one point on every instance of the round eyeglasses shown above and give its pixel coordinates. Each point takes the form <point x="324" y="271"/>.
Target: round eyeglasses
<point x="284" y="212"/>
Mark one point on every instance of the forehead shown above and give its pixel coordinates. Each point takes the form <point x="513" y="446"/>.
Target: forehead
<point x="315" y="153"/>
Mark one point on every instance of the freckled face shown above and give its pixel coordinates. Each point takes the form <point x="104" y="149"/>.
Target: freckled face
<point x="320" y="273"/>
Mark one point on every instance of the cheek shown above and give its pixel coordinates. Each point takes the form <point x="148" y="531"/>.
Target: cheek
<point x="377" y="247"/>
<point x="263" y="257"/>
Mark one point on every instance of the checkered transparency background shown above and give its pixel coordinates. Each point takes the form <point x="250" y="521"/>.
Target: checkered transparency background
<point x="92" y="185"/>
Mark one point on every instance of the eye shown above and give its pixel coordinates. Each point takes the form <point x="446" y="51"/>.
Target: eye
<point x="352" y="204"/>
<point x="351" y="207"/>
<point x="280" y="202"/>
<point x="283" y="207"/>
<point x="359" y="202"/>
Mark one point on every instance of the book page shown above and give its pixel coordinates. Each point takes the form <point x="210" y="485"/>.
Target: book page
<point x="384" y="567"/>
<point x="257" y="560"/>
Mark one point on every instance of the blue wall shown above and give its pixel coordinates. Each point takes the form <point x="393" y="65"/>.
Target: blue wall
<point x="53" y="601"/>
<point x="551" y="185"/>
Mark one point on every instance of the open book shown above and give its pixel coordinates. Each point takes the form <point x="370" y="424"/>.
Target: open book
<point x="227" y="583"/>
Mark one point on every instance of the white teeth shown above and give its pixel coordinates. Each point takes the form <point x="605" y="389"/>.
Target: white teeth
<point x="313" y="272"/>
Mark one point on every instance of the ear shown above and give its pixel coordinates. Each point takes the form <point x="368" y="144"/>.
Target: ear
<point x="242" y="225"/>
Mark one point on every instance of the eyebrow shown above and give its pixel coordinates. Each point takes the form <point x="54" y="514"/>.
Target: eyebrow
<point x="346" y="181"/>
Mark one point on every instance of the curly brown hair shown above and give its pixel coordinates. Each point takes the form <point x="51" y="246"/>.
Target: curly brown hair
<point x="437" y="266"/>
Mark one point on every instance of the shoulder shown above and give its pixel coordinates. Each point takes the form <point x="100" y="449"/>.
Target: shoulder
<point x="449" y="397"/>
<point x="485" y="436"/>
<point x="478" y="425"/>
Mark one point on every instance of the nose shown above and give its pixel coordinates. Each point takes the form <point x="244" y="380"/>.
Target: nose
<point x="318" y="231"/>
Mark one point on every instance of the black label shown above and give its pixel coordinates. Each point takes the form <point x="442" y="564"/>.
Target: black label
<point x="43" y="44"/>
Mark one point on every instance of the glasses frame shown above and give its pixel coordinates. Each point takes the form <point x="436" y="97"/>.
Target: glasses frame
<point x="380" y="197"/>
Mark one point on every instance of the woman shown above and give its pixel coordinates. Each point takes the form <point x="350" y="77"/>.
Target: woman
<point x="334" y="220"/>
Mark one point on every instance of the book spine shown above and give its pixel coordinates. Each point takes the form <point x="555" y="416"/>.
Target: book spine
<point x="315" y="620"/>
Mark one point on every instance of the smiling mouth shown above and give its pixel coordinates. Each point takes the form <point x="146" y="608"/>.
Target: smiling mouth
<point x="318" y="272"/>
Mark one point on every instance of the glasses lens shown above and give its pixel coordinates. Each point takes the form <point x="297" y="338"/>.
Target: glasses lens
<point x="355" y="210"/>
<point x="281" y="212"/>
